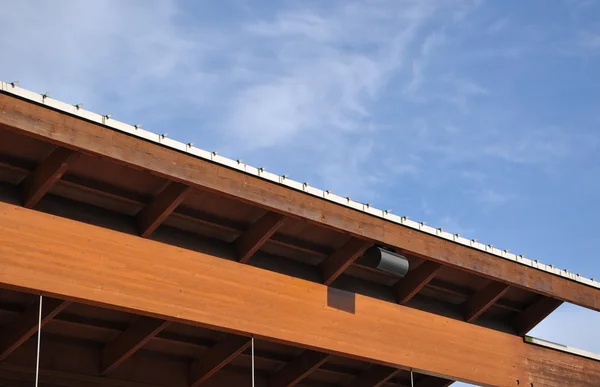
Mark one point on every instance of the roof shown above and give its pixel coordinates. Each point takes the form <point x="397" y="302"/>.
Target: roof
<point x="190" y="149"/>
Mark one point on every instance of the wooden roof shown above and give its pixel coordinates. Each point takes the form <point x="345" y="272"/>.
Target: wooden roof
<point x="67" y="164"/>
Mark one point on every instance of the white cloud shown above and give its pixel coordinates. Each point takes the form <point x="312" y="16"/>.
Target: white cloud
<point x="360" y="94"/>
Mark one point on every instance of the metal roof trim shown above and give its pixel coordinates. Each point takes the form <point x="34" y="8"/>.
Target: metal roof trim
<point x="561" y="347"/>
<point x="135" y="130"/>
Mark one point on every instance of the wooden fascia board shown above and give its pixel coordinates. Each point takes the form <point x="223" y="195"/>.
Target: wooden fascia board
<point x="46" y="253"/>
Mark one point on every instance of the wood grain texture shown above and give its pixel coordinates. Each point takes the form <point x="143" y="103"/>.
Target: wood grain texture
<point x="72" y="132"/>
<point x="479" y="302"/>
<point x="87" y="263"/>
<point x="161" y="207"/>
<point x="127" y="343"/>
<point x="26" y="325"/>
<point x="335" y="264"/>
<point x="41" y="180"/>
<point x="252" y="239"/>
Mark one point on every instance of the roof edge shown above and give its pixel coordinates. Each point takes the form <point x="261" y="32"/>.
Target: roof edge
<point x="188" y="148"/>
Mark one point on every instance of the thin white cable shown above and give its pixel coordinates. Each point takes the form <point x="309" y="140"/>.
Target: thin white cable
<point x="412" y="382"/>
<point x="37" y="362"/>
<point x="252" y="361"/>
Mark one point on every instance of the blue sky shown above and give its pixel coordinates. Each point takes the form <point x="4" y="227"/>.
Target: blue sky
<point x="481" y="117"/>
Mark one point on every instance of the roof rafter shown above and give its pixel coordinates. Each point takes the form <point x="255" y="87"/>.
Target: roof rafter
<point x="161" y="207"/>
<point x="41" y="180"/>
<point x="26" y="325"/>
<point x="128" y="342"/>
<point x="252" y="240"/>
<point x="415" y="280"/>
<point x="216" y="358"/>
<point x="302" y="366"/>
<point x="479" y="302"/>
<point x="534" y="314"/>
<point x="335" y="264"/>
<point x="375" y="376"/>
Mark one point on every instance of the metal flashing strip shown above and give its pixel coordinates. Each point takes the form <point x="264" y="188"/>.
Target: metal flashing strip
<point x="136" y="130"/>
<point x="561" y="347"/>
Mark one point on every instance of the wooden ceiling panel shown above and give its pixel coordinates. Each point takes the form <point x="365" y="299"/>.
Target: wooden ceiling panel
<point x="91" y="312"/>
<point x="221" y="206"/>
<point x="371" y="275"/>
<point x="191" y="333"/>
<point x="261" y="363"/>
<point x="193" y="225"/>
<point x="11" y="175"/>
<point x="313" y="233"/>
<point x="519" y="297"/>
<point x="117" y="175"/>
<point x="80" y="193"/>
<point x="329" y="377"/>
<point x="283" y="250"/>
<point x="66" y="326"/>
<point x="176" y="348"/>
<point x="458" y="277"/>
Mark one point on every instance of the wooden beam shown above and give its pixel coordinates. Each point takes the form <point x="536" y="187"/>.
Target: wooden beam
<point x="335" y="264"/>
<point x="252" y="240"/>
<point x="26" y="325"/>
<point x="85" y="263"/>
<point x="161" y="207"/>
<point x="375" y="376"/>
<point x="72" y="132"/>
<point x="41" y="180"/>
<point x="534" y="314"/>
<point x="294" y="372"/>
<point x="216" y="358"/>
<point x="479" y="302"/>
<point x="415" y="280"/>
<point x="127" y="343"/>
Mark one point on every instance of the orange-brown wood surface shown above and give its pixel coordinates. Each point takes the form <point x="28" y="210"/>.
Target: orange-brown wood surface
<point x="75" y="133"/>
<point x="86" y="263"/>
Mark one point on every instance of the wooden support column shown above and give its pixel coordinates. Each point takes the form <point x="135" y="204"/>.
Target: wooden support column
<point x="534" y="314"/>
<point x="26" y="325"/>
<point x="216" y="358"/>
<point x="127" y="343"/>
<point x="41" y="180"/>
<point x="334" y="265"/>
<point x="161" y="207"/>
<point x="375" y="376"/>
<point x="252" y="240"/>
<point x="482" y="300"/>
<point x="415" y="280"/>
<point x="293" y="373"/>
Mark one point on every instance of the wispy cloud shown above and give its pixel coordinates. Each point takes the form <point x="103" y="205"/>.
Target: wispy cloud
<point x="352" y="96"/>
